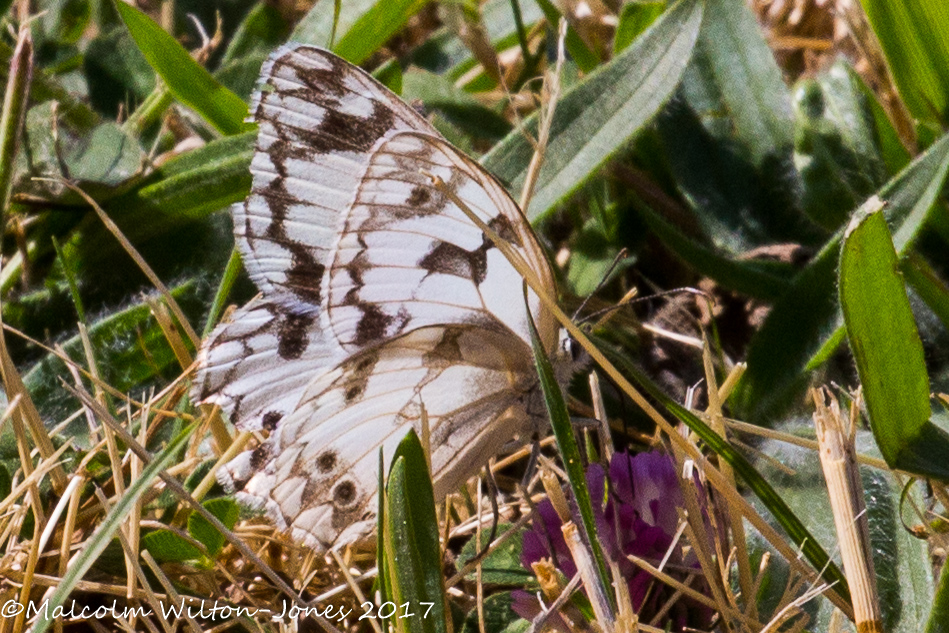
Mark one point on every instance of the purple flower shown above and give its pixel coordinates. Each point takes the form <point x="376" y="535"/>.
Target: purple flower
<point x="639" y="517"/>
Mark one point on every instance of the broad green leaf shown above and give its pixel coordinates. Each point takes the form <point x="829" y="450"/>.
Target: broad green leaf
<point x="96" y="544"/>
<point x="912" y="34"/>
<point x="728" y="137"/>
<point x="186" y="79"/>
<point x="116" y="71"/>
<point x="168" y="546"/>
<point x="363" y="25"/>
<point x="47" y="88"/>
<point x="572" y="460"/>
<point x="187" y="188"/>
<point x="129" y="346"/>
<point x="732" y="55"/>
<point x="887" y="349"/>
<point x="596" y="119"/>
<point x="902" y="568"/>
<point x="806" y="323"/>
<point x="226" y="511"/>
<point x="836" y="148"/>
<point x="413" y="554"/>
<point x="503" y="565"/>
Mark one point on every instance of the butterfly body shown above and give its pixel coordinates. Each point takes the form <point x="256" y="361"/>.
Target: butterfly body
<point x="379" y="297"/>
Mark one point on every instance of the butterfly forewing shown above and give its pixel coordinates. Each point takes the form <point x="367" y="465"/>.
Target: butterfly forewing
<point x="319" y="119"/>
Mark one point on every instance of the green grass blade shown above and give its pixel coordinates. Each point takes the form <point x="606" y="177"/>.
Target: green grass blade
<point x="112" y="523"/>
<point x="596" y="118"/>
<point x="231" y="271"/>
<point x="190" y="83"/>
<point x="926" y="282"/>
<point x="806" y="323"/>
<point x="912" y="34"/>
<point x="572" y="459"/>
<point x="887" y="349"/>
<point x="365" y="25"/>
<point x="413" y="554"/>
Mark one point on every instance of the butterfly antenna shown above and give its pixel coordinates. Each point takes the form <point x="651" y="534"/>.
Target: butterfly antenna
<point x="620" y="256"/>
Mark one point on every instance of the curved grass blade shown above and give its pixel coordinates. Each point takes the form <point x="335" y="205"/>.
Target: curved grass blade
<point x="597" y="118"/>
<point x="887" y="349"/>
<point x="570" y="453"/>
<point x="190" y="83"/>
<point x="412" y="550"/>
<point x="112" y="523"/>
<point x="912" y="35"/>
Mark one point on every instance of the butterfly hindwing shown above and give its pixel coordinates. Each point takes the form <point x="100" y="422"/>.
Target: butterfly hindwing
<point x="256" y="366"/>
<point x="316" y="474"/>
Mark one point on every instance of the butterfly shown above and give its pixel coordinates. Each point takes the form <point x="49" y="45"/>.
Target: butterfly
<point x="378" y="297"/>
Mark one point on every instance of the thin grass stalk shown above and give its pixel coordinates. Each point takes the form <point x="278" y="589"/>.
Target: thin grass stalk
<point x="231" y="272"/>
<point x="739" y="542"/>
<point x="140" y="261"/>
<point x="13" y="117"/>
<point x="179" y="491"/>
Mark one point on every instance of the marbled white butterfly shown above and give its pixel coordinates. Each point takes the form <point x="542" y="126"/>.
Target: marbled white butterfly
<point x="378" y="294"/>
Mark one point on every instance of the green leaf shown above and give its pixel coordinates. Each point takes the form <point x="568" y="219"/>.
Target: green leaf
<point x="498" y="616"/>
<point x="572" y="459"/>
<point x="634" y="18"/>
<point x="887" y="349"/>
<point x="733" y="56"/>
<point x="806" y="323"/>
<point x="96" y="544"/>
<point x="596" y="119"/>
<point x="226" y="511"/>
<point x="167" y="546"/>
<point x="191" y="84"/>
<point x="763" y="280"/>
<point x="363" y="25"/>
<point x="503" y="565"/>
<point x="939" y="616"/>
<point x="912" y="35"/>
<point x="413" y="554"/>
<point x="836" y="146"/>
